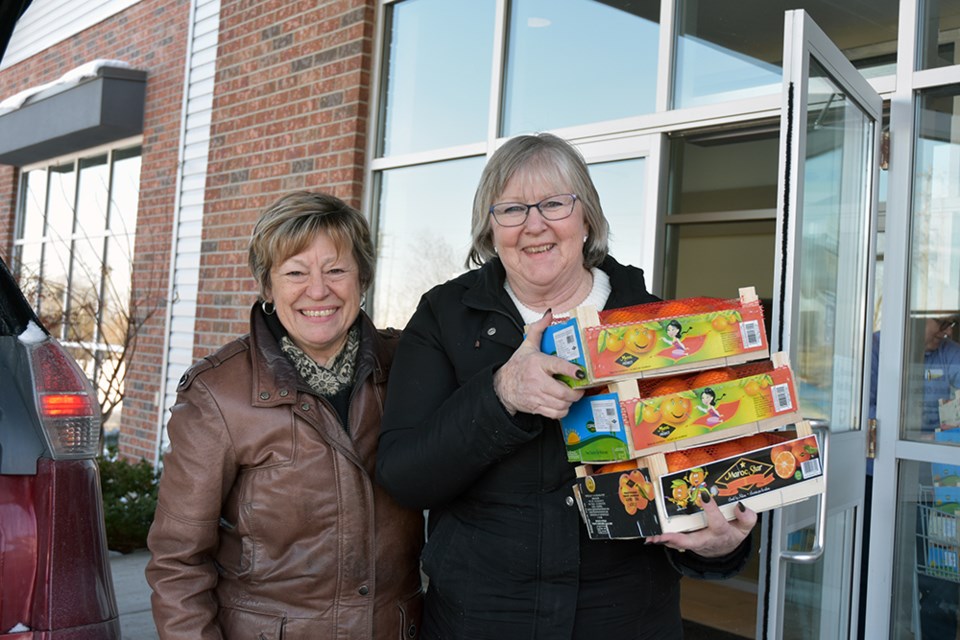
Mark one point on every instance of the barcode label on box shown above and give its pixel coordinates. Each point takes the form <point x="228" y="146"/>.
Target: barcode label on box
<point x="566" y="342"/>
<point x="811" y="468"/>
<point x="606" y="416"/>
<point x="750" y="333"/>
<point x="781" y="398"/>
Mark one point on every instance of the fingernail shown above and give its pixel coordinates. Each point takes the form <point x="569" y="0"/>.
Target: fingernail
<point x="580" y="374"/>
<point x="742" y="508"/>
<point x="706" y="497"/>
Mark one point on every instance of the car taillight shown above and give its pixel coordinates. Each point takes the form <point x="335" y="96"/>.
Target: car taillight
<point x="65" y="399"/>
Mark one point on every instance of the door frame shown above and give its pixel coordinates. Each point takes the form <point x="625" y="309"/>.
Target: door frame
<point x="804" y="40"/>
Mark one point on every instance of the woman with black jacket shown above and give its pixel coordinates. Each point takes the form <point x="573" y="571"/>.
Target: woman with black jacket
<point x="470" y="431"/>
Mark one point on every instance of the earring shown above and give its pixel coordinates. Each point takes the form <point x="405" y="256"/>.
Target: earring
<point x="268" y="308"/>
<point x="585" y="239"/>
<point x="363" y="300"/>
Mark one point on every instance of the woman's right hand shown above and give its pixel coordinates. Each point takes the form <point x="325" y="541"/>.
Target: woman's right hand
<point x="526" y="382"/>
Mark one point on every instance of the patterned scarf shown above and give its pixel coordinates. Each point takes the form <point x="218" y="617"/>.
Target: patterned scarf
<point x="325" y="381"/>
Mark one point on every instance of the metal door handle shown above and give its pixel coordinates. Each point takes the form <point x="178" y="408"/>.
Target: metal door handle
<point x="809" y="557"/>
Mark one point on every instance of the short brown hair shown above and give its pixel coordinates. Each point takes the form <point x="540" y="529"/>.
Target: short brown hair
<point x="553" y="157"/>
<point x="293" y="222"/>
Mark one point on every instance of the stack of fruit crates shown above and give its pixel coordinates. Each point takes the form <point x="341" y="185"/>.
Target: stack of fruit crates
<point x="682" y="399"/>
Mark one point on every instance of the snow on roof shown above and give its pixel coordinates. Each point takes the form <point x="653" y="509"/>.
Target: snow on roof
<point x="70" y="78"/>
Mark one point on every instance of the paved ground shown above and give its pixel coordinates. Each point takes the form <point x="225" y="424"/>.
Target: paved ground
<point x="133" y="596"/>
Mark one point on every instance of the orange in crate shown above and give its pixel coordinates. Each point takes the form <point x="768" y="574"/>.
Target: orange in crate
<point x="696" y="456"/>
<point x="711" y="377"/>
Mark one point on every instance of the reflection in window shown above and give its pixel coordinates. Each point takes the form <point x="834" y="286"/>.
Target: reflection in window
<point x="939" y="33"/>
<point x="933" y="357"/>
<point x="579" y="61"/>
<point x="438" y="64"/>
<point x="724" y="171"/>
<point x="622" y="189"/>
<point x="423" y="235"/>
<point x="933" y="354"/>
<point x="716" y="63"/>
<point x="832" y="254"/>
<point x="77" y="224"/>
<point x="700" y="259"/>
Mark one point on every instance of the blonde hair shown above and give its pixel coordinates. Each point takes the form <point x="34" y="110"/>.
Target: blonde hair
<point x="293" y="222"/>
<point x="553" y="158"/>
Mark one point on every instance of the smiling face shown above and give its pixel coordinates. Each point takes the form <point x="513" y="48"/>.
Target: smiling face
<point x="543" y="258"/>
<point x="317" y="295"/>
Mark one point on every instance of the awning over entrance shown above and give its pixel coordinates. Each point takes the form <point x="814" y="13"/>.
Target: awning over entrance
<point x="95" y="104"/>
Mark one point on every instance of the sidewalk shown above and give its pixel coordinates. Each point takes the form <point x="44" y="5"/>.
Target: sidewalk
<point x="133" y="595"/>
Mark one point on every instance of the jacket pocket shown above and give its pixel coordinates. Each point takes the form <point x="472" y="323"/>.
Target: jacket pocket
<point x="411" y="611"/>
<point x="240" y="624"/>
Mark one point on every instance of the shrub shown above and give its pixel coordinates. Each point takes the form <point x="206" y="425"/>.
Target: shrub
<point x="129" y="500"/>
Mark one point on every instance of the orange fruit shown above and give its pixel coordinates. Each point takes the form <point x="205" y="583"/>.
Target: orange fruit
<point x="802" y="450"/>
<point x="711" y="377"/>
<point x="784" y="464"/>
<point x="668" y="386"/>
<point x="677" y="460"/>
<point x="675" y="309"/>
<point x="611" y="467"/>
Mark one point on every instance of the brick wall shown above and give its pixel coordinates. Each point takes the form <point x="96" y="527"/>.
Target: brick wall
<point x="151" y="35"/>
<point x="290" y="112"/>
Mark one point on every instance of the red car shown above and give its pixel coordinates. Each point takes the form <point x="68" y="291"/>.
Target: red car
<point x="55" y="580"/>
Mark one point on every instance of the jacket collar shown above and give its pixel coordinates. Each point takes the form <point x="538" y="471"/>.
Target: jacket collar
<point x="275" y="379"/>
<point x="485" y="287"/>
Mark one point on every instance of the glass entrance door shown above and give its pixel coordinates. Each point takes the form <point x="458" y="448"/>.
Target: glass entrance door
<point x="822" y="297"/>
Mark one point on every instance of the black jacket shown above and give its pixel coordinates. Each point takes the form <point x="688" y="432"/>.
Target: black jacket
<point x="506" y="540"/>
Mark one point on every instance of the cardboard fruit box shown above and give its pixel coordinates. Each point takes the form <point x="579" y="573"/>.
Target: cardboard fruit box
<point x="717" y="404"/>
<point x="659" y="338"/>
<point x="764" y="471"/>
<point x="633" y="418"/>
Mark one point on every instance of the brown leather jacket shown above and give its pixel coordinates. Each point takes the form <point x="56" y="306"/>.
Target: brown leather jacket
<point x="269" y="523"/>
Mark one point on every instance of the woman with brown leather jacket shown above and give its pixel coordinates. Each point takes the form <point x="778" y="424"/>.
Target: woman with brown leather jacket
<point x="269" y="523"/>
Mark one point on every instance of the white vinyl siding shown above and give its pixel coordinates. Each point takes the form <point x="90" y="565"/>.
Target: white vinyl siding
<point x="47" y="22"/>
<point x="194" y="149"/>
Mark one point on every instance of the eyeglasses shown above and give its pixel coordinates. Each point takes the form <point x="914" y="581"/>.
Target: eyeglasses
<point x="946" y="325"/>
<point x="514" y="214"/>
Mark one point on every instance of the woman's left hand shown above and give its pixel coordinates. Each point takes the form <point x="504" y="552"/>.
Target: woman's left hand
<point x="719" y="538"/>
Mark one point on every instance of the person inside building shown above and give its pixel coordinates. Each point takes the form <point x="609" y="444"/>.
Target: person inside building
<point x="470" y="431"/>
<point x="269" y="523"/>
<point x="938" y="597"/>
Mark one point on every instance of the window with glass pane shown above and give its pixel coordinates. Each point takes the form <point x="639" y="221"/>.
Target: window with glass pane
<point x="939" y="36"/>
<point x="437" y="80"/>
<point x="834" y="228"/>
<point x="622" y="189"/>
<point x="926" y="576"/>
<point x="76" y="229"/>
<point x="933" y="354"/>
<point x="716" y="63"/>
<point x="424" y="233"/>
<point x="579" y="61"/>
